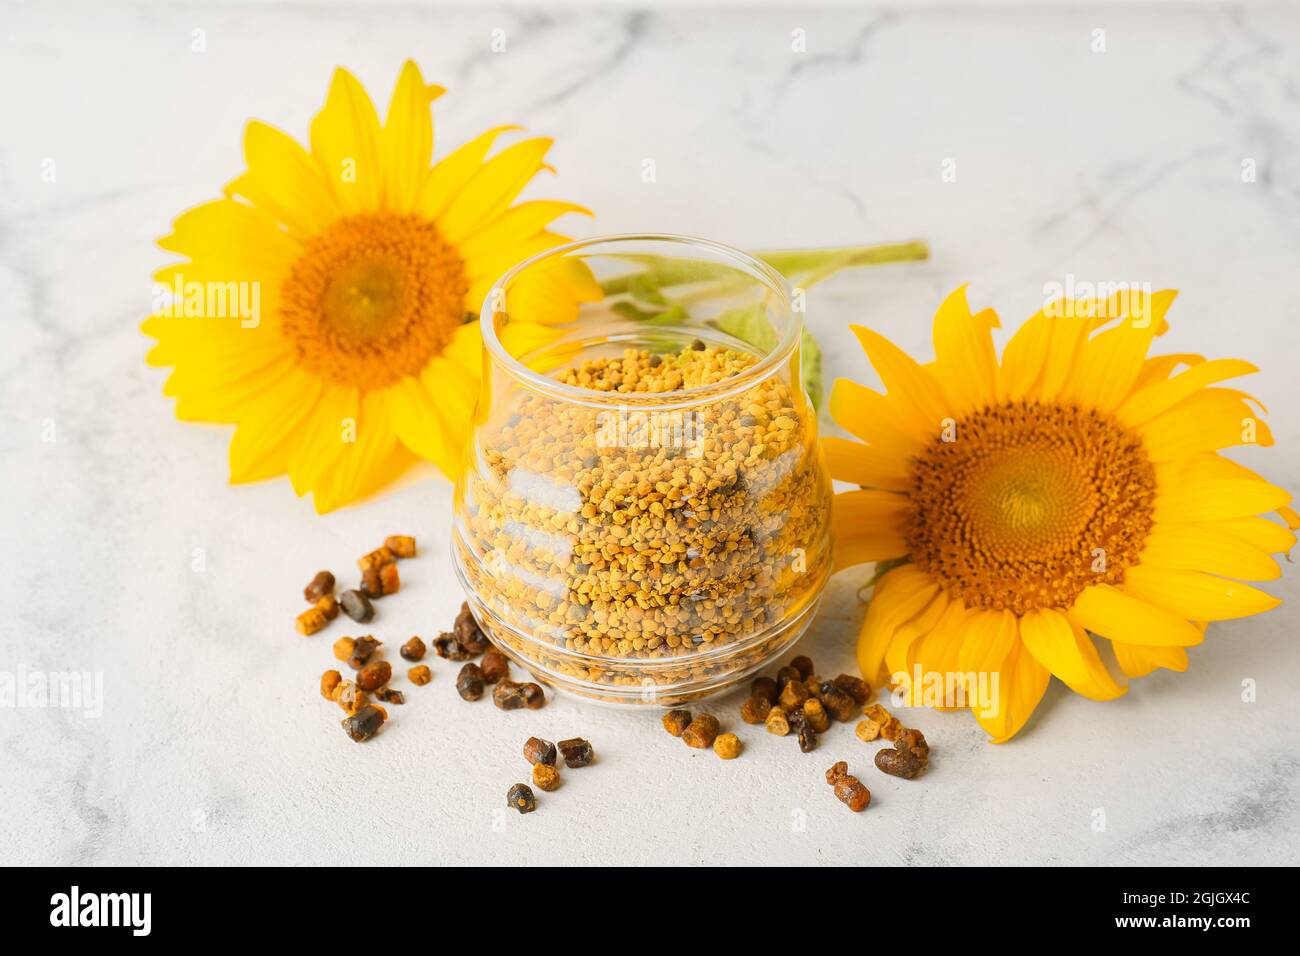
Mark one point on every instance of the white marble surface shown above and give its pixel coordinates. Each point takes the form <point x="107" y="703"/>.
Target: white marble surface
<point x="213" y="746"/>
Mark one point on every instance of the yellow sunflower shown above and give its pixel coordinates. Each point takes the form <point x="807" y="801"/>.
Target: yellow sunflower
<point x="326" y="305"/>
<point x="1049" y="513"/>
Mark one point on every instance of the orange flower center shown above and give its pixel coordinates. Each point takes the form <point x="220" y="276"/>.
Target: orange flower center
<point x="1027" y="504"/>
<point x="373" y="298"/>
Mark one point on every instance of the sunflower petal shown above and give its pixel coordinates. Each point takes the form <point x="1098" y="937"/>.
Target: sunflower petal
<point x="875" y="418"/>
<point x="898" y="596"/>
<point x="493" y="188"/>
<point x="408" y="138"/>
<point x="1107" y="611"/>
<point x="1207" y="547"/>
<point x="868" y="527"/>
<point x="232" y="237"/>
<point x="1208" y="420"/>
<point x="906" y="383"/>
<point x="515" y="224"/>
<point x="450" y="175"/>
<point x="1147" y="403"/>
<point x="909" y="637"/>
<point x="1067" y="651"/>
<point x="1022" y="682"/>
<point x="366" y="463"/>
<point x="345" y="140"/>
<point x="966" y="366"/>
<point x="864" y="465"/>
<point x="323" y="436"/>
<point x="1139" y="660"/>
<point x="266" y="438"/>
<point x="1193" y="594"/>
<point x="283" y="180"/>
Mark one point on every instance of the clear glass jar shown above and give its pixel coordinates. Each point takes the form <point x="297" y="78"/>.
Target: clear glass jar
<point x="642" y="515"/>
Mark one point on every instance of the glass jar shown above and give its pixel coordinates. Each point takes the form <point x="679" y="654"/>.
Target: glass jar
<point x="642" y="515"/>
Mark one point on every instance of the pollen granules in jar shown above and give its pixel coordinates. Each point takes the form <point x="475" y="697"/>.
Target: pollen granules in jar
<point x="664" y="543"/>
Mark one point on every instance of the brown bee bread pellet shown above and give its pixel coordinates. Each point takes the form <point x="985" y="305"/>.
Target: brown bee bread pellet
<point x="511" y="695"/>
<point x="855" y="687"/>
<point x="371" y="586"/>
<point x="495" y="666"/>
<point x="412" y="650"/>
<point x="838" y="703"/>
<point x="362" y="650"/>
<point x="903" y="761"/>
<point x="376" y="559"/>
<point x="365" y="723"/>
<point x="777" y="722"/>
<point x="755" y="710"/>
<point x="793" y="695"/>
<point x="867" y="730"/>
<point x="803" y="665"/>
<point x="537" y="750"/>
<point x="787" y="674"/>
<point x="357" y="606"/>
<point x="852" y="793"/>
<point x="676" y="721"/>
<point x="727" y="746"/>
<point x="521" y="798"/>
<point x="374" y="675"/>
<point x="576" y="752"/>
<point x="448" y="646"/>
<point x="321" y="585"/>
<point x="818" y="719"/>
<point x="344" y="647"/>
<point x="469" y="682"/>
<point x="400" y="545"/>
<point x="838" y="770"/>
<point x="329" y="683"/>
<point x="764" y="688"/>
<point x="310" y="621"/>
<point x="328" y="606"/>
<point x="350" y="697"/>
<point x="545" y="776"/>
<point x="701" y="732"/>
<point x="468" y="632"/>
<point x="390" y="696"/>
<point x="380" y="582"/>
<point x="419" y="675"/>
<point x="803" y="729"/>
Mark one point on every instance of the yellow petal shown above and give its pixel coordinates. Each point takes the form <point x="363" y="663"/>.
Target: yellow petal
<point x="450" y="175"/>
<point x="860" y="464"/>
<point x="1021" y="685"/>
<point x="1105" y="610"/>
<point x="516" y="224"/>
<point x="283" y="180"/>
<point x="1268" y="536"/>
<point x="1186" y="495"/>
<point x="1195" y="595"/>
<point x="1208" y="420"/>
<point x="1147" y="403"/>
<point x="232" y="236"/>
<point x="492" y="188"/>
<point x="966" y="365"/>
<point x="1109" y="363"/>
<point x="868" y="527"/>
<point x="366" y="464"/>
<point x="903" y="650"/>
<point x="1207" y="547"/>
<point x="266" y="438"/>
<point x="422" y="427"/>
<point x="345" y="140"/>
<point x="1139" y="660"/>
<point x="990" y="639"/>
<point x="322" y="437"/>
<point x="898" y="596"/>
<point x="408" y="138"/>
<point x="1067" y="651"/>
<point x="551" y="293"/>
<point x="1024" y="357"/>
<point x="912" y="389"/>
<point x="875" y="418"/>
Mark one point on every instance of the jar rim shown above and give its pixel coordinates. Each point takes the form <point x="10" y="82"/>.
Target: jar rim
<point x="745" y="379"/>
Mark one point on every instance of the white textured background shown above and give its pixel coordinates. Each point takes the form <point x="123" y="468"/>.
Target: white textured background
<point x="214" y="746"/>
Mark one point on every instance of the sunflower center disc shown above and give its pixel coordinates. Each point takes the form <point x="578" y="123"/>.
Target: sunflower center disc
<point x="1029" y="504"/>
<point x="372" y="299"/>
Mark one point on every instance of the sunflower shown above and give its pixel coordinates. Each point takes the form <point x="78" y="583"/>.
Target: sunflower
<point x="1064" y="508"/>
<point x="358" y="269"/>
